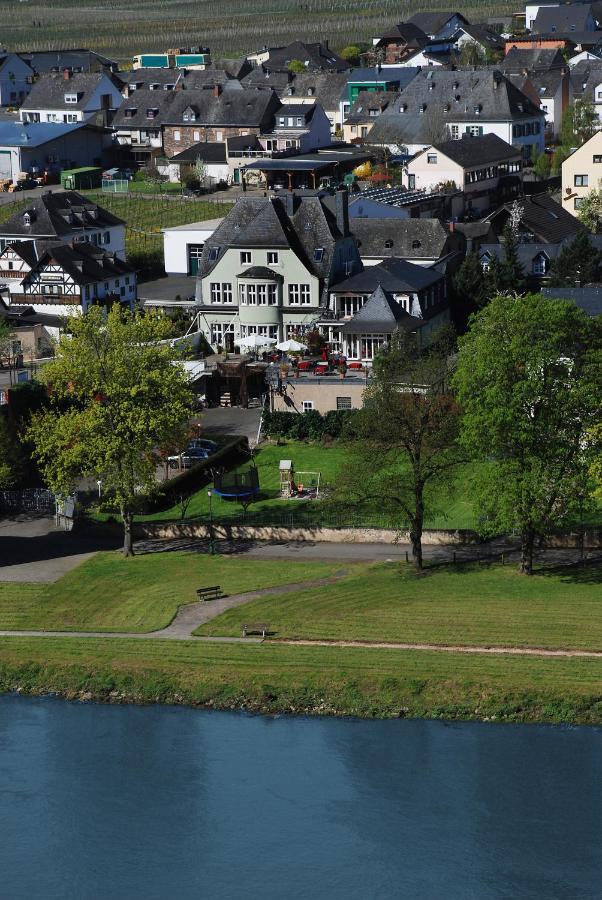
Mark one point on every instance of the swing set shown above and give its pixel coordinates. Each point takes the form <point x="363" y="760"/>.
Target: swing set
<point x="298" y="485"/>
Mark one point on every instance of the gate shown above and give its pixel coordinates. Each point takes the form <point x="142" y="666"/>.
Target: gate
<point x="27" y="500"/>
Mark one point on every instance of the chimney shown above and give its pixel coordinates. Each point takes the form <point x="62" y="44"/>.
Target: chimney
<point x="290" y="203"/>
<point x="342" y="211"/>
<point x="66" y="74"/>
<point x="452" y="227"/>
<point x="217" y="89"/>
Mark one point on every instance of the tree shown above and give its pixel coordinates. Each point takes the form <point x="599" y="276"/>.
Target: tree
<point x="590" y="210"/>
<point x="407" y="431"/>
<point x="528" y="379"/>
<point x="153" y="175"/>
<point x="579" y="123"/>
<point x="513" y="275"/>
<point x="577" y="264"/>
<point x="12" y="457"/>
<point x="297" y="67"/>
<point x="351" y="54"/>
<point x="471" y="287"/>
<point x="541" y="164"/>
<point x="117" y="402"/>
<point x="472" y="54"/>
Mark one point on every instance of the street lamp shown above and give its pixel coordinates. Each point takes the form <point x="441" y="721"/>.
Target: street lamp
<point x="211" y="540"/>
<point x="99" y="483"/>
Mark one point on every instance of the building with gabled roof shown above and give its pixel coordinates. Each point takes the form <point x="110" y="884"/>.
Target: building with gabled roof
<point x="71" y="98"/>
<point x="267" y="268"/>
<point x="440" y="24"/>
<point x="540" y="219"/>
<point x="65" y="279"/>
<point x="65" y="216"/>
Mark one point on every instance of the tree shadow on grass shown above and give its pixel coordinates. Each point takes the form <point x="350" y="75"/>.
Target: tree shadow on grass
<point x="582" y="572"/>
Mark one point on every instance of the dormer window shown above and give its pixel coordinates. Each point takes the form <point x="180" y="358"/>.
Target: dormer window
<point x="281" y="121"/>
<point x="70" y="98"/>
<point x="27" y="219"/>
<point x="318" y="254"/>
<point x="520" y="107"/>
<point x="152" y="113"/>
<point x="416" y="245"/>
<point x="133" y="86"/>
<point x="213" y="254"/>
<point x="422" y="108"/>
<point x="155" y="87"/>
<point x="130" y="112"/>
<point x="388" y="244"/>
<point x="310" y="92"/>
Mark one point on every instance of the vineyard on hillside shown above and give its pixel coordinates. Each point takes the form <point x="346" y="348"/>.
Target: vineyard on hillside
<point x="120" y="28"/>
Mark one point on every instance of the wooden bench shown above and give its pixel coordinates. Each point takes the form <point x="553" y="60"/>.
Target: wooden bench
<point x="255" y="628"/>
<point x="209" y="593"/>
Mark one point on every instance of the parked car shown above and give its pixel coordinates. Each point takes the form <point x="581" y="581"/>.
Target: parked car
<point x="203" y="444"/>
<point x="188" y="458"/>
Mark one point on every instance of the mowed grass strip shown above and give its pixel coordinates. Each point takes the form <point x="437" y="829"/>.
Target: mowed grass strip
<point x="478" y="606"/>
<point x="110" y="593"/>
<point x="319" y="680"/>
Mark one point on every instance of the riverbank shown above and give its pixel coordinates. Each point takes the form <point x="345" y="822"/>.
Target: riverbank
<point x="298" y="680"/>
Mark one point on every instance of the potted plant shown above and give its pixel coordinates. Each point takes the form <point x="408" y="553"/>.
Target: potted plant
<point x="284" y="369"/>
<point x="342" y="367"/>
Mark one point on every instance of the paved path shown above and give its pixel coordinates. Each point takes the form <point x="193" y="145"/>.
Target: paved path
<point x="189" y="617"/>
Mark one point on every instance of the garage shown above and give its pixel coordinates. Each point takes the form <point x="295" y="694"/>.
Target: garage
<point x="6" y="170"/>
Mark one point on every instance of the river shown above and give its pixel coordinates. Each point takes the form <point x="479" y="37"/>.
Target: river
<point x="109" y="802"/>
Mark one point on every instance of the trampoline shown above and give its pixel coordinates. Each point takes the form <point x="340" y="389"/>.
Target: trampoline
<point x="237" y="485"/>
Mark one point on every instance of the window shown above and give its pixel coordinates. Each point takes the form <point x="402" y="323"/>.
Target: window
<point x="257" y="294"/>
<point x="281" y="121"/>
<point x="70" y="98"/>
<point x="176" y="135"/>
<point x="455" y="132"/>
<point x="221" y="292"/>
<point x="196" y="135"/>
<point x="578" y="202"/>
<point x="475" y="130"/>
<point x="273" y="257"/>
<point x="307" y="405"/>
<point x="343" y="402"/>
<point x="580" y="180"/>
<point x="596" y="158"/>
<point x="11" y="265"/>
<point x="213" y="253"/>
<point x="388" y="244"/>
<point x="416" y="245"/>
<point x="152" y="112"/>
<point x="372" y="112"/>
<point x="431" y="159"/>
<point x="299" y="294"/>
<point x="318" y="254"/>
<point x="106" y="238"/>
<point x="540" y="264"/>
<point x="299" y="121"/>
<point x="411" y="182"/>
<point x="245" y="257"/>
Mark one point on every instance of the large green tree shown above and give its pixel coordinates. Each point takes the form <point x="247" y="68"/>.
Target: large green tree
<point x="590" y="211"/>
<point x="528" y="378"/>
<point x="118" y="399"/>
<point x="405" y="445"/>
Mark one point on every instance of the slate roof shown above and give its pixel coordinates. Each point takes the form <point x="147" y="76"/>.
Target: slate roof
<point x="374" y="235"/>
<point x="585" y="77"/>
<point x="548" y="83"/>
<point x="316" y="56"/>
<point x="564" y="18"/>
<point x="208" y="151"/>
<point x="483" y="35"/>
<point x="240" y="108"/>
<point x="408" y="32"/>
<point x="49" y="91"/>
<point x="35" y="134"/>
<point x="589" y="299"/>
<point x="234" y="68"/>
<point x="326" y="87"/>
<point x="367" y="100"/>
<point x="261" y="272"/>
<point x="542" y="217"/>
<point x="461" y="90"/>
<point x="472" y="151"/>
<point x="381" y="314"/>
<point x="532" y="59"/>
<point x="144" y="77"/>
<point x="433" y="22"/>
<point x="85" y="263"/>
<point x="59" y="213"/>
<point x="301" y="223"/>
<point x="261" y="78"/>
<point x="76" y="59"/>
<point x="396" y="275"/>
<point x="526" y="252"/>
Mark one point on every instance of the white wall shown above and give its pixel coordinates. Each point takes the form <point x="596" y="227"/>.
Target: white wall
<point x="175" y="247"/>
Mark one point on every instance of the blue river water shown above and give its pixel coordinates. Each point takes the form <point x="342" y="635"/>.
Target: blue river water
<point x="110" y="802"/>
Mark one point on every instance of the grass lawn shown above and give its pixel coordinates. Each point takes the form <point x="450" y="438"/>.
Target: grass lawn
<point x="319" y="680"/>
<point x="329" y="461"/>
<point x="483" y="606"/>
<point x="109" y="593"/>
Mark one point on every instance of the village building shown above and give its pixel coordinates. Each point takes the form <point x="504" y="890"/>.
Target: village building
<point x="71" y="98"/>
<point x="268" y="267"/>
<point x="16" y="79"/>
<point x="68" y="217"/>
<point x="62" y="279"/>
<point x="486" y="169"/>
<point x="35" y="148"/>
<point x="536" y="218"/>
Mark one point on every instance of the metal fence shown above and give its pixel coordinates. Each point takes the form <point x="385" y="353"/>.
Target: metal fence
<point x="27" y="500"/>
<point x="306" y="517"/>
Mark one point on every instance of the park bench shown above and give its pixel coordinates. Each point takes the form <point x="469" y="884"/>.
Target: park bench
<point x="255" y="628"/>
<point x="209" y="593"/>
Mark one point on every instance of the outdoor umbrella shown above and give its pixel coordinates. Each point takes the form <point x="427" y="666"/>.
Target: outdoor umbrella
<point x="291" y="346"/>
<point x="256" y="340"/>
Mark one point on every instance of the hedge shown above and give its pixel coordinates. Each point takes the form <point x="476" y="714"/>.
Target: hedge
<point x="199" y="475"/>
<point x="310" y="425"/>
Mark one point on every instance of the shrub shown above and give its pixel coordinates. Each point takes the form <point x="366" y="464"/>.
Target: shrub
<point x="310" y="425"/>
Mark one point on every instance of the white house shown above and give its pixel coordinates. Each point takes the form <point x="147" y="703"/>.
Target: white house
<point x="71" y="98"/>
<point x="183" y="246"/>
<point x="56" y="278"/>
<point x="44" y="146"/>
